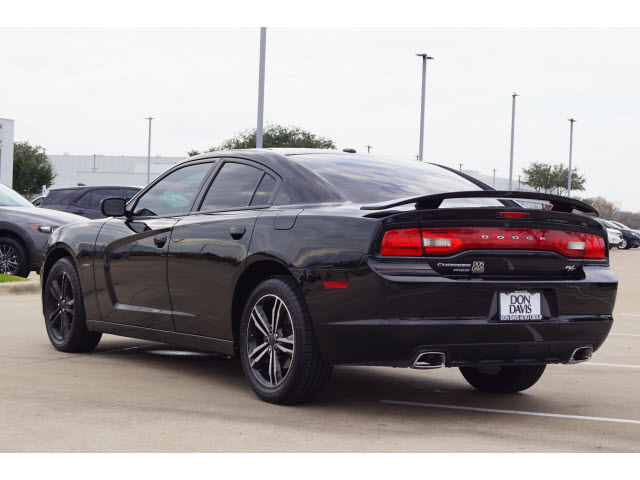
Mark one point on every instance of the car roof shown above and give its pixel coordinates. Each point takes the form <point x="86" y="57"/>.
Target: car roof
<point x="87" y="187"/>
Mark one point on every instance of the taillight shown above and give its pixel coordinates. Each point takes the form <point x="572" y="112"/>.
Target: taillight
<point x="595" y="248"/>
<point x="405" y="242"/>
<point x="514" y="214"/>
<point x="447" y="241"/>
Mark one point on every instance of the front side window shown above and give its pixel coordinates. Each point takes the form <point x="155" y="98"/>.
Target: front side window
<point x="233" y="187"/>
<point x="174" y="193"/>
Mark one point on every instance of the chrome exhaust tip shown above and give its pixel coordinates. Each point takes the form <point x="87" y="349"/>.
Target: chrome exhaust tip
<point x="581" y="354"/>
<point x="429" y="360"/>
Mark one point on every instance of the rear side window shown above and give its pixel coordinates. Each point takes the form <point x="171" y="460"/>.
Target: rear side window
<point x="59" y="197"/>
<point x="264" y="190"/>
<point x="233" y="187"/>
<point x="84" y="201"/>
<point x="100" y="194"/>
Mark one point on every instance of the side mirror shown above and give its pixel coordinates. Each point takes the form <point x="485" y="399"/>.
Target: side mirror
<point x="113" y="207"/>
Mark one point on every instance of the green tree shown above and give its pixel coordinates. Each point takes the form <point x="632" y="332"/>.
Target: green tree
<point x="552" y="178"/>
<point x="31" y="169"/>
<point x="274" y="136"/>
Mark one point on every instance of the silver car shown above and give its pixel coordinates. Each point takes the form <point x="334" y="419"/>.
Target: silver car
<point x="24" y="230"/>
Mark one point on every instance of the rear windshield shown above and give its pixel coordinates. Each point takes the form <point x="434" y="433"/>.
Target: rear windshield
<point x="371" y="179"/>
<point x="59" y="197"/>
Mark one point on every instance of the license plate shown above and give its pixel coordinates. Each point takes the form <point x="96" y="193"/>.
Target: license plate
<point x="520" y="306"/>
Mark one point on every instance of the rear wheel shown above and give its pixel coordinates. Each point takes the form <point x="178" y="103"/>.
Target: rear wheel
<point x="13" y="258"/>
<point x="623" y="245"/>
<point x="280" y="356"/>
<point x="64" y="314"/>
<point x="499" y="379"/>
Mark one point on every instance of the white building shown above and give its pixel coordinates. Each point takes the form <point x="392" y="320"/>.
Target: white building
<point x="74" y="170"/>
<point x="6" y="151"/>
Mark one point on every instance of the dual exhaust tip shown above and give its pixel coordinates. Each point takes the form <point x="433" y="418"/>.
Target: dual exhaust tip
<point x="427" y="360"/>
<point x="581" y="354"/>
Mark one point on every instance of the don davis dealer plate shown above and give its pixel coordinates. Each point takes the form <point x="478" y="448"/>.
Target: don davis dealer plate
<point x="520" y="306"/>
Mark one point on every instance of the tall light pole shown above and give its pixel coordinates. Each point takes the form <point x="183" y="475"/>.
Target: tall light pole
<point x="494" y="178"/>
<point x="263" y="48"/>
<point x="513" y="124"/>
<point x="425" y="57"/>
<point x="460" y="166"/>
<point x="572" y="121"/>
<point x="149" y="152"/>
<point x="369" y="147"/>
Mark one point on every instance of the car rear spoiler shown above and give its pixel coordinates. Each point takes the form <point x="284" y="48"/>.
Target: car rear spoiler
<point x="428" y="202"/>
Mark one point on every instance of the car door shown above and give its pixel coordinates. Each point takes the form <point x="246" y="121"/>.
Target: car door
<point x="131" y="278"/>
<point x="208" y="247"/>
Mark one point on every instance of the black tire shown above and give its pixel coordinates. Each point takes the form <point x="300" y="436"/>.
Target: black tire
<point x="63" y="305"/>
<point x="307" y="373"/>
<point x="624" y="245"/>
<point x="508" y="379"/>
<point x="12" y="251"/>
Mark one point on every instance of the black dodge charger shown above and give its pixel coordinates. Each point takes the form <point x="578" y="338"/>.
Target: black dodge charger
<point x="298" y="260"/>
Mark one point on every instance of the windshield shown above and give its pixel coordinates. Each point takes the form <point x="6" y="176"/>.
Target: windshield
<point x="10" y="198"/>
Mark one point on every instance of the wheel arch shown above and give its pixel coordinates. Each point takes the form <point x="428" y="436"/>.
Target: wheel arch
<point x="255" y="273"/>
<point x="56" y="253"/>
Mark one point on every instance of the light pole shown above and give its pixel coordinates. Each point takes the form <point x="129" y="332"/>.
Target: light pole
<point x="425" y="57"/>
<point x="513" y="122"/>
<point x="148" y="153"/>
<point x="572" y="121"/>
<point x="263" y="47"/>
<point x="494" y="177"/>
<point x="460" y="166"/>
<point x="369" y="147"/>
<point x="518" y="182"/>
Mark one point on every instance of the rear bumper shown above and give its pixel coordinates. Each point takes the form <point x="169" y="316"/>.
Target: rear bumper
<point x="476" y="342"/>
<point x="382" y="320"/>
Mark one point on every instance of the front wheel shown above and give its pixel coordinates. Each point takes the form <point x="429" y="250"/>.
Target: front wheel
<point x="623" y="245"/>
<point x="63" y="308"/>
<point x="278" y="349"/>
<point x="13" y="258"/>
<point x="498" y="379"/>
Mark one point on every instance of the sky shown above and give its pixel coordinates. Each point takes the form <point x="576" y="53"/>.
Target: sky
<point x="85" y="91"/>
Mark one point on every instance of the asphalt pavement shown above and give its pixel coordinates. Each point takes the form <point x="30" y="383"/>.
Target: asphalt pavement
<point x="135" y="396"/>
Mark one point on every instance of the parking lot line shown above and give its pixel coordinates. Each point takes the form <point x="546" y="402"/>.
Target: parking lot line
<point x="512" y="412"/>
<point x="630" y="314"/>
<point x="610" y="365"/>
<point x="625" y="334"/>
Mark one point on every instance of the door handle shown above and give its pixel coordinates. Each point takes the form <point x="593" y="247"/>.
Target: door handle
<point x="237" y="232"/>
<point x="160" y="241"/>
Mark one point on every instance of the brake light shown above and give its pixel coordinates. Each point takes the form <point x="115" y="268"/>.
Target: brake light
<point x="595" y="248"/>
<point x="514" y="214"/>
<point x="448" y="241"/>
<point x="405" y="242"/>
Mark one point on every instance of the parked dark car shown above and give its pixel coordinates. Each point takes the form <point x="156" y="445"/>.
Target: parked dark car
<point x="630" y="238"/>
<point x="85" y="201"/>
<point x="24" y="231"/>
<point x="300" y="260"/>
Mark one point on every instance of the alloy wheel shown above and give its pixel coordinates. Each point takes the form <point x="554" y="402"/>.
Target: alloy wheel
<point x="622" y="245"/>
<point x="8" y="260"/>
<point x="270" y="340"/>
<point x="60" y="306"/>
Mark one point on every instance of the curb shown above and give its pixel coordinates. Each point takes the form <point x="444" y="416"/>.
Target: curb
<point x="29" y="287"/>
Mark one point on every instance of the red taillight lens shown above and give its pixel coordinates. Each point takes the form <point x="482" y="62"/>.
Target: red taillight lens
<point x="596" y="249"/>
<point x="414" y="242"/>
<point x="400" y="243"/>
<point x="453" y="240"/>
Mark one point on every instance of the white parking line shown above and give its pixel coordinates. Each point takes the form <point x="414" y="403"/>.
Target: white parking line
<point x="628" y="314"/>
<point x="610" y="365"/>
<point x="624" y="334"/>
<point x="512" y="412"/>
